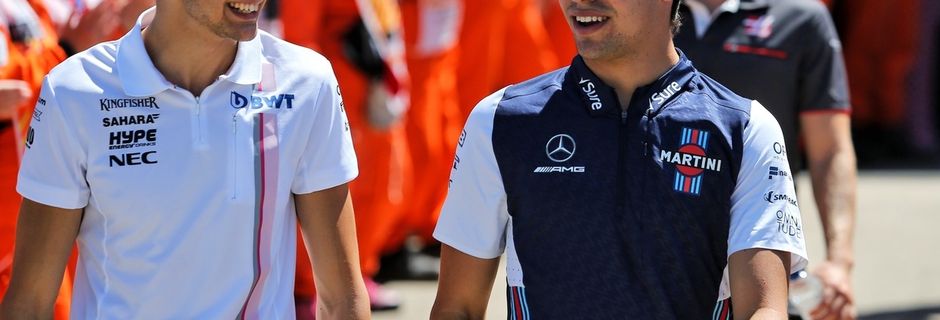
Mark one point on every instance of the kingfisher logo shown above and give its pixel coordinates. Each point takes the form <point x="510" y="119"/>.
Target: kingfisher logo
<point x="691" y="161"/>
<point x="285" y="100"/>
<point x="590" y="90"/>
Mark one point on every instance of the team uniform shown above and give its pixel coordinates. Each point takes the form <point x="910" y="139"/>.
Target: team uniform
<point x="610" y="214"/>
<point x="785" y="54"/>
<point x="188" y="207"/>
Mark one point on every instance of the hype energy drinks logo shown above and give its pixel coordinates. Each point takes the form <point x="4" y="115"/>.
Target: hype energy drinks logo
<point x="691" y="161"/>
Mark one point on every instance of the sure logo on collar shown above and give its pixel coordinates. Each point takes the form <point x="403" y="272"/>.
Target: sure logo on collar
<point x="590" y="90"/>
<point x="690" y="160"/>
<point x="560" y="148"/>
<point x="277" y="101"/>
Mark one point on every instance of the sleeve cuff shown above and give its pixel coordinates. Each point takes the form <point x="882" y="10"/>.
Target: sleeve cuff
<point x="318" y="183"/>
<point x="465" y="247"/>
<point x="51" y="195"/>
<point x="798" y="257"/>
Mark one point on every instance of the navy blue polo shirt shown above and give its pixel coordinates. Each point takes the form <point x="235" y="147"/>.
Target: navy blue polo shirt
<point x="611" y="214"/>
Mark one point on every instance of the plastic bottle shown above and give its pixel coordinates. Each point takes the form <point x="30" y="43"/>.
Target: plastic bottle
<point x="806" y="293"/>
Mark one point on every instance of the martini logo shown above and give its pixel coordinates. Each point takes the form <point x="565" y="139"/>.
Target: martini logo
<point x="691" y="161"/>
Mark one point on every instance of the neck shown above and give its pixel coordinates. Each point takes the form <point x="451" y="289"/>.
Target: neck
<point x="626" y="74"/>
<point x="189" y="56"/>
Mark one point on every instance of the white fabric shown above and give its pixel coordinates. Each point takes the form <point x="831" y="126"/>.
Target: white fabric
<point x="704" y="18"/>
<point x="475" y="216"/>
<point x="175" y="238"/>
<point x="764" y="211"/>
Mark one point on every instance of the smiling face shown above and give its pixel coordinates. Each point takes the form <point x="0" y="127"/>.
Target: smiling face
<point x="230" y="19"/>
<point x="611" y="29"/>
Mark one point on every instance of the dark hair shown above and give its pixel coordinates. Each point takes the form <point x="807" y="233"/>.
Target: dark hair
<point x="674" y="20"/>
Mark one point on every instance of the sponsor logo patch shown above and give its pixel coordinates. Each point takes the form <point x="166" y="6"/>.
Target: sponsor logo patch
<point x="132" y="139"/>
<point x="560" y="148"/>
<point x="789" y="224"/>
<point x="772" y="197"/>
<point x="133" y="159"/>
<point x="148" y="102"/>
<point x="130" y="120"/>
<point x="691" y="161"/>
<point x="277" y="101"/>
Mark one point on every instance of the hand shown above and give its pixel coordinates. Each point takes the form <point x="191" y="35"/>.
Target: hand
<point x="94" y="25"/>
<point x="13" y="93"/>
<point x="838" y="301"/>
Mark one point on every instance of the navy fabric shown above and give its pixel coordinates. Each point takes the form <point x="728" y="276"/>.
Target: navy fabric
<point x="606" y="233"/>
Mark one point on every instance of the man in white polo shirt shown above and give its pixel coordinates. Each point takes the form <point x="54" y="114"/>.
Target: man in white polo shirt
<point x="178" y="157"/>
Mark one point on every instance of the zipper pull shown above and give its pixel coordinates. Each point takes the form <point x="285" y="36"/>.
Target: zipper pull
<point x="623" y="116"/>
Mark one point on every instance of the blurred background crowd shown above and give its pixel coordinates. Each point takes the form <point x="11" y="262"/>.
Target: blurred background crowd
<point x="411" y="71"/>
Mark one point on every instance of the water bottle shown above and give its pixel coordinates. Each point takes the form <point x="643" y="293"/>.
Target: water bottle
<point x="806" y="293"/>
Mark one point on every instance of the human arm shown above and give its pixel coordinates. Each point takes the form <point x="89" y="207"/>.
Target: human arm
<point x="766" y="240"/>
<point x="464" y="286"/>
<point x="826" y="131"/>
<point x="759" y="283"/>
<point x="44" y="239"/>
<point x="831" y="159"/>
<point x="329" y="231"/>
<point x="473" y="223"/>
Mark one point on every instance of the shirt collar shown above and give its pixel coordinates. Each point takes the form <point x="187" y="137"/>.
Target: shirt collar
<point x="600" y="99"/>
<point x="703" y="18"/>
<point x="140" y="77"/>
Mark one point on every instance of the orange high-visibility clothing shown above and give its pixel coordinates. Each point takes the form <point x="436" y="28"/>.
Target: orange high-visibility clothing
<point x="383" y="159"/>
<point x="501" y="42"/>
<point x="28" y="61"/>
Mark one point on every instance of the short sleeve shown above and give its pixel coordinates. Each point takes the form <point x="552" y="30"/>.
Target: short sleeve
<point x="328" y="159"/>
<point x="474" y="217"/>
<point x="54" y="162"/>
<point x="764" y="210"/>
<point x="823" y="82"/>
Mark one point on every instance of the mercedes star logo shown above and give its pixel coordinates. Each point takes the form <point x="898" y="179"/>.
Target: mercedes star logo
<point x="560" y="148"/>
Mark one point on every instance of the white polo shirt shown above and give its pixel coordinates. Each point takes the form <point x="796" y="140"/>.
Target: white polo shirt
<point x="188" y="200"/>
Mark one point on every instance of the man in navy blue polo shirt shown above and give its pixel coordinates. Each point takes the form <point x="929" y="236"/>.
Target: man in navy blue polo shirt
<point x="626" y="186"/>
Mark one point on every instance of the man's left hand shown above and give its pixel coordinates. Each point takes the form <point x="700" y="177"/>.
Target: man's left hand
<point x="838" y="301"/>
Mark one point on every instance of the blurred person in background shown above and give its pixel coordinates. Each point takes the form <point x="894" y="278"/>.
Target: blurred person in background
<point x="881" y="42"/>
<point x="490" y="33"/>
<point x="35" y="42"/>
<point x="432" y="33"/>
<point x="362" y="39"/>
<point x="786" y="54"/>
<point x="491" y="36"/>
<point x="556" y="24"/>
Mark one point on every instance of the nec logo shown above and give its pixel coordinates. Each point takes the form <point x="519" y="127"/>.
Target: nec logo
<point x="667" y="93"/>
<point x="133" y="159"/>
<point x="274" y="102"/>
<point x="588" y="87"/>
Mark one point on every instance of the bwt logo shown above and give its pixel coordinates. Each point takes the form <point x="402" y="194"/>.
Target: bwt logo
<point x="588" y="87"/>
<point x="285" y="100"/>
